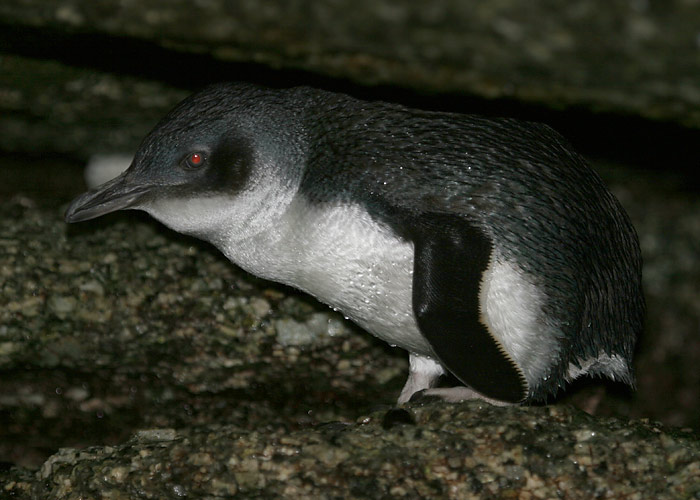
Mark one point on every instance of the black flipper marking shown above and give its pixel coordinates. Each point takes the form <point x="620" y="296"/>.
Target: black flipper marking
<point x="450" y="258"/>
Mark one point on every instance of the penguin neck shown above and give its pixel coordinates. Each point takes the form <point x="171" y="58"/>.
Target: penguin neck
<point x="245" y="226"/>
<point x="282" y="241"/>
<point x="258" y="234"/>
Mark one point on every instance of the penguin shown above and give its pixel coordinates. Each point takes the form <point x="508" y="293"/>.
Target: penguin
<point x="485" y="247"/>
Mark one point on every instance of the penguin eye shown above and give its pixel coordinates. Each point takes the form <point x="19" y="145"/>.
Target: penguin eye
<point x="194" y="160"/>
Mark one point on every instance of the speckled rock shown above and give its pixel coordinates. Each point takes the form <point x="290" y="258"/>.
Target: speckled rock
<point x="470" y="450"/>
<point x="81" y="111"/>
<point x="103" y="68"/>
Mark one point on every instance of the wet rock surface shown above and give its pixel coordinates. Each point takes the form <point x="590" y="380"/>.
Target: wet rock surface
<point x="159" y="368"/>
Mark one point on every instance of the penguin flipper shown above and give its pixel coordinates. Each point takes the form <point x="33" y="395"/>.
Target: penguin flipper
<point x="450" y="258"/>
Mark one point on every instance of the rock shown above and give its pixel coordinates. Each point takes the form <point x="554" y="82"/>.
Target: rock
<point x="58" y="91"/>
<point x="293" y="333"/>
<point x="62" y="306"/>
<point x="468" y="450"/>
<point x="60" y="108"/>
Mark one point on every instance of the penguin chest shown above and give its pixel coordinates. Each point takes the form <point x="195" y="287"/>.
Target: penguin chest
<point x="363" y="269"/>
<point x="346" y="259"/>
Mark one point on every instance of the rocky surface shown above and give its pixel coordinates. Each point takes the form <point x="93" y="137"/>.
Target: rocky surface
<point x="84" y="76"/>
<point x="50" y="107"/>
<point x="469" y="450"/>
<point x="118" y="325"/>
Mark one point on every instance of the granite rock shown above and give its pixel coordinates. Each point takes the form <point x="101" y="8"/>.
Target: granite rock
<point x="469" y="450"/>
<point x="100" y="73"/>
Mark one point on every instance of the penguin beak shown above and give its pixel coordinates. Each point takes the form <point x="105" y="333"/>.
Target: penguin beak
<point x="117" y="194"/>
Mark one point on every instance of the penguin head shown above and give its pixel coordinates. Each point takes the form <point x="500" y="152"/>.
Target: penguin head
<point x="218" y="150"/>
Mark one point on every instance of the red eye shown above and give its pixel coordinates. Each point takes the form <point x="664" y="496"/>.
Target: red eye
<point x="195" y="160"/>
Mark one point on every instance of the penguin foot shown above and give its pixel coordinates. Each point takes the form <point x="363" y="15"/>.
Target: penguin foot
<point x="452" y="395"/>
<point x="423" y="373"/>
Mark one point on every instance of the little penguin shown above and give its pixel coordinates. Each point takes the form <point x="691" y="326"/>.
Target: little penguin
<point x="485" y="247"/>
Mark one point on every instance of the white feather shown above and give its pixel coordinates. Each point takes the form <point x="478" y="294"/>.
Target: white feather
<point x="511" y="307"/>
<point x="604" y="364"/>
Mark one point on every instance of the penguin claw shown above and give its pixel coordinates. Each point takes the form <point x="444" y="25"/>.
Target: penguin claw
<point x="424" y="397"/>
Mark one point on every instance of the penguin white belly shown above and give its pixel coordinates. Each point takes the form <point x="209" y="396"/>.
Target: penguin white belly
<point x="344" y="258"/>
<point x="361" y="268"/>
